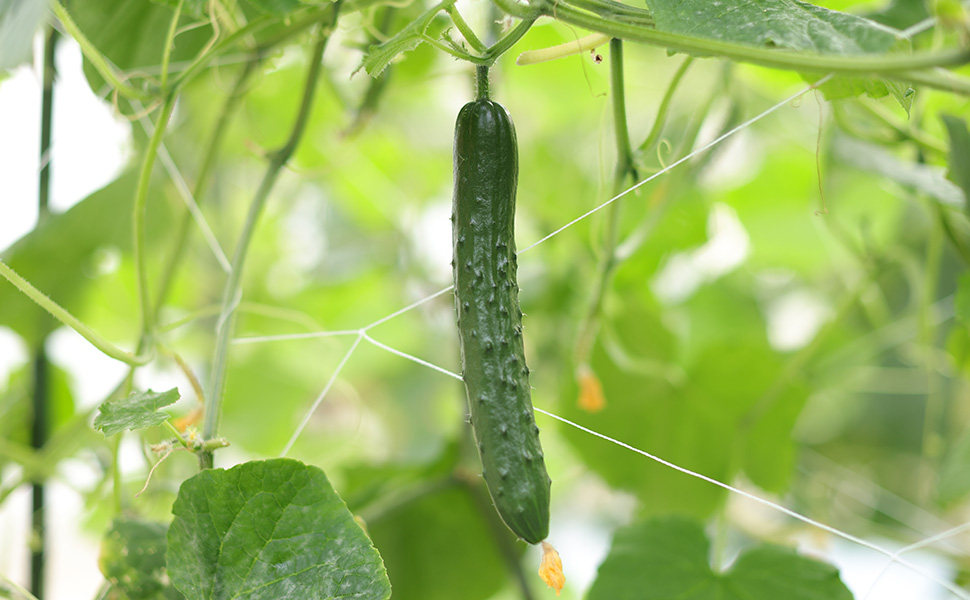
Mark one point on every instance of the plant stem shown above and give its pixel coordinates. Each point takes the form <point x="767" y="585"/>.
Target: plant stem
<point x="233" y="289"/>
<point x="94" y="56"/>
<point x="661" y="118"/>
<point x="170" y="42"/>
<point x="138" y="220"/>
<point x="508" y="40"/>
<point x="71" y="321"/>
<point x="481" y="82"/>
<point x="624" y="166"/>
<point x="226" y="113"/>
<point x="464" y="29"/>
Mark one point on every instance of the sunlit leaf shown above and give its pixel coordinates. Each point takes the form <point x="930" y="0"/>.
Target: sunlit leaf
<point x="774" y="23"/>
<point x="266" y="530"/>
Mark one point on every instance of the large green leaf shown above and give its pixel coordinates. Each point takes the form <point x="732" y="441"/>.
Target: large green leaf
<point x="137" y="411"/>
<point x="788" y="24"/>
<point x="61" y="256"/>
<point x="726" y="409"/>
<point x="773" y="23"/>
<point x="411" y="537"/>
<point x="266" y="530"/>
<point x="133" y="560"/>
<point x="664" y="559"/>
<point x="132" y="35"/>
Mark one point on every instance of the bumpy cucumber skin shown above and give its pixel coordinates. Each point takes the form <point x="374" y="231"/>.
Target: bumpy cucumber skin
<point x="490" y="322"/>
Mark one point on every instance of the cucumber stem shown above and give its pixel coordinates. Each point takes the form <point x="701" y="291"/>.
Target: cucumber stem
<point x="481" y="77"/>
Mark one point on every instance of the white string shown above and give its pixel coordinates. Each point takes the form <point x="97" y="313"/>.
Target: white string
<point x="295" y="336"/>
<point x="928" y="541"/>
<point x="320" y="396"/>
<point x="894" y="556"/>
<point x="185" y="192"/>
<point x="411" y="358"/>
<point x="684" y="159"/>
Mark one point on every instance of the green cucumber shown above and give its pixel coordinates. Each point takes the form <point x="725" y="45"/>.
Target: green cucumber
<point x="490" y="322"/>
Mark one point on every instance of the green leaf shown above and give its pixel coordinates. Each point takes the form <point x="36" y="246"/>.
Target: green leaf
<point x="137" y="411"/>
<point x="773" y="23"/>
<point x="959" y="170"/>
<point x="792" y="25"/>
<point x="266" y="530"/>
<point x="60" y="257"/>
<point x="195" y="8"/>
<point x="133" y="560"/>
<point x="132" y="35"/>
<point x="667" y="558"/>
<point x="411" y="536"/>
<point x="19" y="19"/>
<point x="409" y="38"/>
<point x="875" y="159"/>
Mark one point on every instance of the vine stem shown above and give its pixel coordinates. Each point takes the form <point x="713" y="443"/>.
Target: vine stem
<point x="139" y="215"/>
<point x="233" y="289"/>
<point x="62" y="315"/>
<point x="226" y="113"/>
<point x="170" y="41"/>
<point x="624" y="167"/>
<point x="94" y="56"/>
<point x="658" y="123"/>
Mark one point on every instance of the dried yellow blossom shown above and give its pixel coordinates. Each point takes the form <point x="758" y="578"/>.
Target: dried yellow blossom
<point x="551" y="568"/>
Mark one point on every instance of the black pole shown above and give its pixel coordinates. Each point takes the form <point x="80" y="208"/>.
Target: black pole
<point x="41" y="394"/>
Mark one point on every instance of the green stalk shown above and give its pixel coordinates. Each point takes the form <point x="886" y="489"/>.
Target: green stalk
<point x="508" y="40"/>
<point x="624" y="167"/>
<point x="464" y="29"/>
<point x="170" y="42"/>
<point x="481" y="83"/>
<point x="138" y="220"/>
<point x="233" y="289"/>
<point x="661" y="118"/>
<point x="71" y="321"/>
<point x="226" y="113"/>
<point x="94" y="56"/>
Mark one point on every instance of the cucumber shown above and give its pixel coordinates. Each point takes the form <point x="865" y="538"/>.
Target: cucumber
<point x="489" y="320"/>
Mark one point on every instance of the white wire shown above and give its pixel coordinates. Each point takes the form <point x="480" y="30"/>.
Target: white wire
<point x="185" y="192"/>
<point x="926" y="542"/>
<point x="682" y="160"/>
<point x="321" y="396"/>
<point x="894" y="556"/>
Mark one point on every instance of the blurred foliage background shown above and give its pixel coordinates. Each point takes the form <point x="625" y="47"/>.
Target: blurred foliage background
<point x="787" y="316"/>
